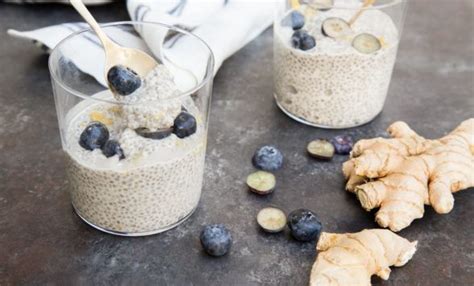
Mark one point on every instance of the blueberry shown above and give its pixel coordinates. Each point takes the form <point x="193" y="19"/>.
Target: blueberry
<point x="123" y="80"/>
<point x="343" y="144"/>
<point x="184" y="125"/>
<point x="267" y="158"/>
<point x="157" y="135"/>
<point x="302" y="40"/>
<point x="216" y="239"/>
<point x="94" y="136"/>
<point x="304" y="225"/>
<point x="295" y="19"/>
<point x="112" y="148"/>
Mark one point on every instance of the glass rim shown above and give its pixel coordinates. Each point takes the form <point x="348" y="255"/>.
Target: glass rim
<point x="208" y="77"/>
<point x="372" y="7"/>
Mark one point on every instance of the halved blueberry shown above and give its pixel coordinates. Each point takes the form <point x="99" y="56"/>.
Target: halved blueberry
<point x="334" y="27"/>
<point x="158" y="134"/>
<point x="321" y="5"/>
<point x="94" y="136"/>
<point x="366" y="43"/>
<point x="321" y="149"/>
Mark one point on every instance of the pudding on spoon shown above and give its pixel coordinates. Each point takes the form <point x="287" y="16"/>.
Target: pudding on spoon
<point x="124" y="67"/>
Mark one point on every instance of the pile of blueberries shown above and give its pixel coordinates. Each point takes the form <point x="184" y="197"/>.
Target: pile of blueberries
<point x="304" y="224"/>
<point x="332" y="27"/>
<point x="124" y="81"/>
<point x="300" y="39"/>
<point x="96" y="135"/>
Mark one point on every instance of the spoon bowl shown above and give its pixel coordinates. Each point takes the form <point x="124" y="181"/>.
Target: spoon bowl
<point x="134" y="59"/>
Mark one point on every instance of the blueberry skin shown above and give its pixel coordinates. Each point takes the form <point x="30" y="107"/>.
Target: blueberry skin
<point x="184" y="125"/>
<point x="343" y="144"/>
<point x="94" y="136"/>
<point x="156" y="135"/>
<point x="267" y="158"/>
<point x="216" y="239"/>
<point x="123" y="80"/>
<point x="304" y="225"/>
<point x="112" y="148"/>
<point x="295" y="19"/>
<point x="302" y="40"/>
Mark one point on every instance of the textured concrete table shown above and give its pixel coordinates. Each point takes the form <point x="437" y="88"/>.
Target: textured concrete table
<point x="43" y="242"/>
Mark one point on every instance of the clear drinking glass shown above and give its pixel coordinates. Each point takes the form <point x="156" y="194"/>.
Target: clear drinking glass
<point x="328" y="71"/>
<point x="158" y="184"/>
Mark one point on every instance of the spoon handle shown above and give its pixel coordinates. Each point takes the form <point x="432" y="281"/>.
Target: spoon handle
<point x="82" y="10"/>
<point x="366" y="4"/>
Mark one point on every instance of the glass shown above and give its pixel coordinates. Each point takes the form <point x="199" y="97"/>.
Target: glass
<point x="158" y="184"/>
<point x="330" y="73"/>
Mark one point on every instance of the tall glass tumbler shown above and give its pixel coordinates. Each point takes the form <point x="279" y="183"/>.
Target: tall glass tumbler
<point x="333" y="59"/>
<point x="143" y="173"/>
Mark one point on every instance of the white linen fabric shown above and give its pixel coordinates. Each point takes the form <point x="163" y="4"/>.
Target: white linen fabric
<point x="86" y="2"/>
<point x="225" y="25"/>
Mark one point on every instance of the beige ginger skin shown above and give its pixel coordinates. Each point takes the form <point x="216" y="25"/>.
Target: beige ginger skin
<point x="352" y="258"/>
<point x="401" y="174"/>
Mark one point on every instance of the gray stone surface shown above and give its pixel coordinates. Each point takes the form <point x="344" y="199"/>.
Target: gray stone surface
<point x="42" y="242"/>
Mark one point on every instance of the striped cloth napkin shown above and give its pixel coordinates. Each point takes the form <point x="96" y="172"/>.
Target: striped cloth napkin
<point x="225" y="25"/>
<point x="86" y="2"/>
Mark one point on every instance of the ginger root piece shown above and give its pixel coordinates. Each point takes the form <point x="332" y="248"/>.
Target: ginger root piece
<point x="401" y="174"/>
<point x="352" y="258"/>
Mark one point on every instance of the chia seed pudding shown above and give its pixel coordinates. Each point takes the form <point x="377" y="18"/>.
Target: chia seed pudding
<point x="153" y="183"/>
<point x="333" y="83"/>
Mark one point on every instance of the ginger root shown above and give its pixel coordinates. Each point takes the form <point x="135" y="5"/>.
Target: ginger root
<point x="352" y="258"/>
<point x="400" y="174"/>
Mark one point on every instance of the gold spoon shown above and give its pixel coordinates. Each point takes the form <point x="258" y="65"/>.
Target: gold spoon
<point x="295" y="4"/>
<point x="136" y="60"/>
<point x="367" y="3"/>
